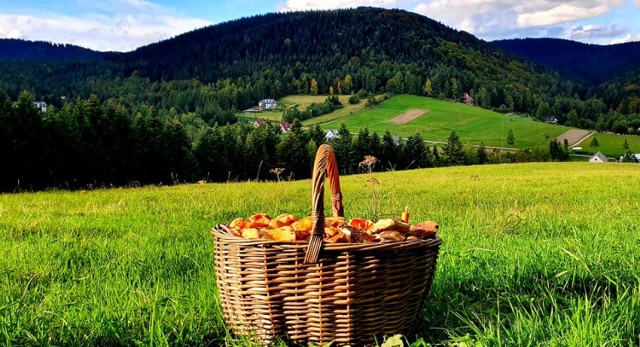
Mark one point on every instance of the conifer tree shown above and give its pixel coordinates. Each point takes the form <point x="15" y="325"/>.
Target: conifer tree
<point x="454" y="151"/>
<point x="343" y="147"/>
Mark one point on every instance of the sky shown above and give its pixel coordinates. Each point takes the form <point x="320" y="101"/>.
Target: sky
<point x="124" y="25"/>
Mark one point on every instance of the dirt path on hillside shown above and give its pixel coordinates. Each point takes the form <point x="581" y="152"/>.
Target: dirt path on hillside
<point x="407" y="116"/>
<point x="574" y="136"/>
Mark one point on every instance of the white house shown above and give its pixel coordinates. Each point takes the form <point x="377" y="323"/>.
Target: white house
<point x="598" y="158"/>
<point x="41" y="105"/>
<point x="636" y="155"/>
<point x="332" y="134"/>
<point x="267" y="104"/>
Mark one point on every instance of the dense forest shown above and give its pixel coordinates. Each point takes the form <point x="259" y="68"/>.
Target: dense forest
<point x="92" y="144"/>
<point x="165" y="107"/>
<point x="586" y="63"/>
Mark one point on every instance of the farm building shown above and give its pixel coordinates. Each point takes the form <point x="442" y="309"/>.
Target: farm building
<point x="332" y="134"/>
<point x="258" y="122"/>
<point x="267" y="104"/>
<point x="598" y="158"/>
<point x="635" y="155"/>
<point x="285" y="127"/>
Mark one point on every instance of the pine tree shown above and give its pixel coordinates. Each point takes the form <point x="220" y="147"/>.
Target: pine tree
<point x="389" y="151"/>
<point x="511" y="140"/>
<point x="316" y="134"/>
<point x="293" y="152"/>
<point x="417" y="153"/>
<point x="437" y="161"/>
<point x="454" y="150"/>
<point x="481" y="155"/>
<point x="594" y="142"/>
<point x="343" y="147"/>
<point x="626" y="144"/>
<point x="362" y="144"/>
<point x="208" y="153"/>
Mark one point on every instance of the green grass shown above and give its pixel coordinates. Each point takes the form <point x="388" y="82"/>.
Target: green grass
<point x="611" y="144"/>
<point x="533" y="254"/>
<point x="303" y="101"/>
<point x="473" y="124"/>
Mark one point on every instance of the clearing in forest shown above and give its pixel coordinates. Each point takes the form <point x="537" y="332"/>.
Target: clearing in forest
<point x="408" y="116"/>
<point x="573" y="136"/>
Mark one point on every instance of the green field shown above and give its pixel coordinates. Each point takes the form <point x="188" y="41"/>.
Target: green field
<point x="611" y="144"/>
<point x="303" y="101"/>
<point x="473" y="124"/>
<point x="533" y="254"/>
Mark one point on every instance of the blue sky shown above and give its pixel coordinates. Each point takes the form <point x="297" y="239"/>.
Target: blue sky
<point x="123" y="25"/>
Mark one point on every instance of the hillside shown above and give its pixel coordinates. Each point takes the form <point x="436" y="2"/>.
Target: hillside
<point x="474" y="125"/>
<point x="612" y="145"/>
<point x="586" y="63"/>
<point x="280" y="54"/>
<point x="39" y="51"/>
<point x="552" y="249"/>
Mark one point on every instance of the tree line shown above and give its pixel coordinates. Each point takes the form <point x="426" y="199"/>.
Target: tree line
<point x="88" y="143"/>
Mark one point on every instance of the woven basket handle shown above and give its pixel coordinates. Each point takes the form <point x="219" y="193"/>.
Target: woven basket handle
<point x="325" y="163"/>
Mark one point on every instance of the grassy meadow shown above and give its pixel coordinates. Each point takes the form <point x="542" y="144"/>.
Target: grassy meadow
<point x="533" y="254"/>
<point x="611" y="144"/>
<point x="303" y="101"/>
<point x="473" y="124"/>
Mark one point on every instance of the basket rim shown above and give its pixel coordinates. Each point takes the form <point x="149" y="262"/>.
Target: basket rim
<point x="220" y="232"/>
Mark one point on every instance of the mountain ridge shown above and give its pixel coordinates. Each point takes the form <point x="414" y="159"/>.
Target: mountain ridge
<point x="589" y="64"/>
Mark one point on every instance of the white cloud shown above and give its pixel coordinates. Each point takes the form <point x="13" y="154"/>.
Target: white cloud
<point x="627" y="38"/>
<point x="499" y="18"/>
<point x="594" y="31"/>
<point x="562" y="13"/>
<point x="116" y="25"/>
<point x="298" y="5"/>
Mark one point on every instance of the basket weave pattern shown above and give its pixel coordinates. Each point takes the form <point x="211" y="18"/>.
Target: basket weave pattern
<point x="353" y="294"/>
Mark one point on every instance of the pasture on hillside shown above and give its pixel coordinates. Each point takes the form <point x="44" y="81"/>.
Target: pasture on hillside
<point x="303" y="101"/>
<point x="532" y="254"/>
<point x="474" y="125"/>
<point x="611" y="145"/>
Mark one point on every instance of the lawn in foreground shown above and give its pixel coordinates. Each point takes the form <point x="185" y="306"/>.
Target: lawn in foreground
<point x="544" y="253"/>
<point x="474" y="125"/>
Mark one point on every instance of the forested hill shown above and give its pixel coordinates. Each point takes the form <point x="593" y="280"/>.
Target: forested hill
<point x="585" y="63"/>
<point x="342" y="41"/>
<point x="273" y="55"/>
<point x="15" y="49"/>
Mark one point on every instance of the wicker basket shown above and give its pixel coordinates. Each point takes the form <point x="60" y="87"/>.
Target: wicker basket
<point x="355" y="292"/>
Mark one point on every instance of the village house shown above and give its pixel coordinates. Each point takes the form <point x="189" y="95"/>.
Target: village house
<point x="396" y="140"/>
<point x="598" y="158"/>
<point x="551" y="120"/>
<point x="635" y="155"/>
<point x="285" y="127"/>
<point x="258" y="122"/>
<point x="267" y="104"/>
<point x="331" y="135"/>
<point x="41" y="105"/>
